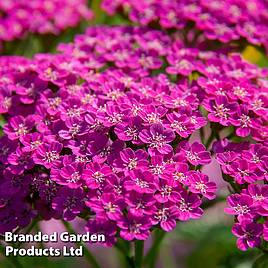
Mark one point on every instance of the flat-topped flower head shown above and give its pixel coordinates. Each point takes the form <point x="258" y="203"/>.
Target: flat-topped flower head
<point x="113" y="120"/>
<point x="35" y="17"/>
<point x="207" y="20"/>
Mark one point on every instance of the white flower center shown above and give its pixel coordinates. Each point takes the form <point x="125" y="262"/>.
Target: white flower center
<point x="21" y="130"/>
<point x="51" y="156"/>
<point x="241" y="209"/>
<point x="135" y="228"/>
<point x="162" y="214"/>
<point x="201" y="187"/>
<point x="72" y="112"/>
<point x="157" y="169"/>
<point x="75" y="177"/>
<point x="153" y="118"/>
<point x="178" y="125"/>
<point x="141" y="183"/>
<point x="132" y="163"/>
<point x="221" y="111"/>
<point x="192" y="156"/>
<point x="98" y="176"/>
<point x="183" y="206"/>
<point x="132" y="132"/>
<point x="166" y="190"/>
<point x="115" y="118"/>
<point x="244" y="120"/>
<point x="157" y="141"/>
<point x="110" y="207"/>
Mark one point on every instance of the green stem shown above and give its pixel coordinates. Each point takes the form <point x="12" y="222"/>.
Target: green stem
<point x="89" y="256"/>
<point x="34" y="222"/>
<point x="210" y="139"/>
<point x="202" y="135"/>
<point x="99" y="14"/>
<point x="121" y="247"/>
<point x="214" y="134"/>
<point x="124" y="249"/>
<point x="14" y="260"/>
<point x="139" y="245"/>
<point x="151" y="258"/>
<point x="235" y="187"/>
<point x="29" y="229"/>
<point x="231" y="135"/>
<point x="176" y="141"/>
<point x="263" y="249"/>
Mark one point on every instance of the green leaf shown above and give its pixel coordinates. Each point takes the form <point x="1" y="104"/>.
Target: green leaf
<point x="214" y="246"/>
<point x="261" y="262"/>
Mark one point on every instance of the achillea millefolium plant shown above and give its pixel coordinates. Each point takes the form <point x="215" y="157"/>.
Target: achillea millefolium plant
<point x="117" y="126"/>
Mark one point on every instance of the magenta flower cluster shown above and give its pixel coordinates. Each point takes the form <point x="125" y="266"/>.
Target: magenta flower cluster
<point x="224" y="21"/>
<point x="246" y="165"/>
<point x="104" y="130"/>
<point x="238" y="102"/>
<point x="18" y="18"/>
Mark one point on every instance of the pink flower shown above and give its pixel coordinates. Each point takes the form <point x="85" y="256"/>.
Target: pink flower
<point x="220" y="110"/>
<point x="195" y="153"/>
<point x="95" y="174"/>
<point x="48" y="154"/>
<point x="199" y="183"/>
<point x="248" y="234"/>
<point x="158" y="138"/>
<point x="140" y="181"/>
<point x="188" y="207"/>
<point x="134" y="227"/>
